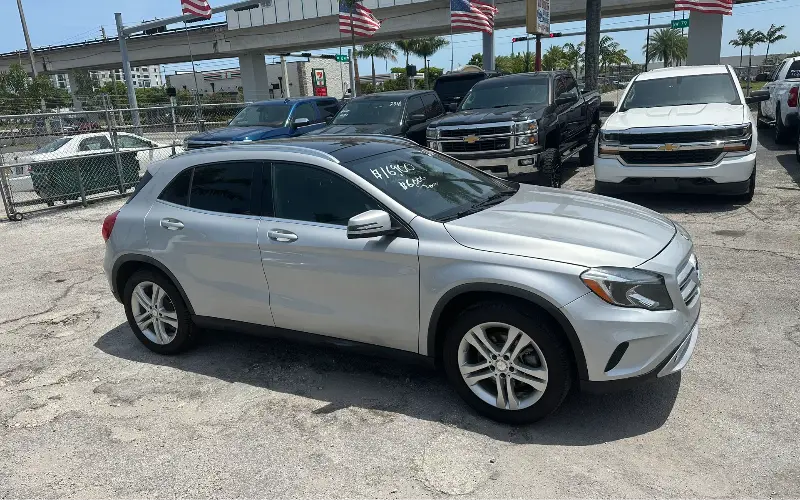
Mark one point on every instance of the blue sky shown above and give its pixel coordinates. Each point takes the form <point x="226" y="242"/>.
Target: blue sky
<point x="87" y="16"/>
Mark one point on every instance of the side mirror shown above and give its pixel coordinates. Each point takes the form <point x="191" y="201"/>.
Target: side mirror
<point x="566" y="99"/>
<point x="416" y="118"/>
<point x="452" y="107"/>
<point x="608" y="107"/>
<point x="370" y="224"/>
<point x="300" y="122"/>
<point x="757" y="96"/>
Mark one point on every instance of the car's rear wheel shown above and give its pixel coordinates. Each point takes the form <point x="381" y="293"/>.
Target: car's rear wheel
<point x="587" y="153"/>
<point x="157" y="314"/>
<point x="551" y="167"/>
<point x="508" y="363"/>
<point x="781" y="132"/>
<point x="751" y="189"/>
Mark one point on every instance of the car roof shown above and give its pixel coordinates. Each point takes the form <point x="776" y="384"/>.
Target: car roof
<point x="716" y="69"/>
<point x="341" y="149"/>
<point x="292" y="100"/>
<point x="466" y="74"/>
<point x="500" y="80"/>
<point x="393" y="94"/>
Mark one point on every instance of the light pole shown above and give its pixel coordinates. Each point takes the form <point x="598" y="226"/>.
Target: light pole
<point x="27" y="37"/>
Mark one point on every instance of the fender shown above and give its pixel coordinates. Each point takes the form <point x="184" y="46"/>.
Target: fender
<point x="146" y="259"/>
<point x="555" y="312"/>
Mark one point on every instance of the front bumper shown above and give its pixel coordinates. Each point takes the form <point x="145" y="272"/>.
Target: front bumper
<point x="730" y="175"/>
<point x="507" y="162"/>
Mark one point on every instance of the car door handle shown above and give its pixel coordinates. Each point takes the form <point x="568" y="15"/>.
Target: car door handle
<point x="281" y="235"/>
<point x="171" y="224"/>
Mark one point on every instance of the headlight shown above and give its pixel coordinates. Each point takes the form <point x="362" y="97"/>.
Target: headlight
<point x="432" y="133"/>
<point x="628" y="287"/>
<point x="528" y="127"/>
<point x="526" y="140"/>
<point x="609" y="137"/>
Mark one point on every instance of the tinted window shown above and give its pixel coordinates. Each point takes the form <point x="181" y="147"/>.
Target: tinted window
<point x="223" y="187"/>
<point x="681" y="90"/>
<point x="428" y="183"/>
<point x="560" y="86"/>
<point x="314" y="195"/>
<point x="438" y="108"/>
<point x="451" y="87"/>
<point x="571" y="86"/>
<point x="129" y="141"/>
<point x="305" y="110"/>
<point x="433" y="107"/>
<point x="53" y="146"/>
<point x="778" y="70"/>
<point x="386" y="110"/>
<point x="327" y="108"/>
<point x="794" y="70"/>
<point x="95" y="143"/>
<point x="501" y="93"/>
<point x="262" y="115"/>
<point x="415" y="107"/>
<point x="177" y="191"/>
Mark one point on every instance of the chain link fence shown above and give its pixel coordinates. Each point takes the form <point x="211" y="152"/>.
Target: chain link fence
<point x="52" y="160"/>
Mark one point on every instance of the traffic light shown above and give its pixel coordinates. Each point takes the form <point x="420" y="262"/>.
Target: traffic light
<point x="519" y="39"/>
<point x="555" y="35"/>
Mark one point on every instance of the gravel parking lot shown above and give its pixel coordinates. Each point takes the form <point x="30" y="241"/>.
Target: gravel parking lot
<point x="86" y="411"/>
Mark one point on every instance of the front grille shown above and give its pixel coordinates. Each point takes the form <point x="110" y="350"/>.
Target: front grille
<point x="482" y="145"/>
<point x="689" y="280"/>
<point x="475" y="131"/>
<point x="691" y="156"/>
<point x="681" y="137"/>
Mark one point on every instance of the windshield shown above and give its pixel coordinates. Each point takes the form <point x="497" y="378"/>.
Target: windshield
<point x="262" y="115"/>
<point x="499" y="94"/>
<point x="52" y="146"/>
<point x="456" y="87"/>
<point x="681" y="91"/>
<point x="370" y="111"/>
<point x="432" y="185"/>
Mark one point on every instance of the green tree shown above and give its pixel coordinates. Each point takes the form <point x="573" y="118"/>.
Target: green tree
<point x="431" y="74"/>
<point x="406" y="47"/>
<point x="381" y="50"/>
<point x="574" y="54"/>
<point x="427" y="47"/>
<point x="476" y="60"/>
<point x="668" y="45"/>
<point x="608" y="48"/>
<point x="510" y="64"/>
<point x="555" y="58"/>
<point x="774" y="35"/>
<point x="21" y="93"/>
<point x="740" y="41"/>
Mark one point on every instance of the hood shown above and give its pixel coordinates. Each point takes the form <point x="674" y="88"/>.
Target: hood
<point x="492" y="115"/>
<point x="694" y="114"/>
<point x="373" y="128"/>
<point x="239" y="134"/>
<point x="566" y="226"/>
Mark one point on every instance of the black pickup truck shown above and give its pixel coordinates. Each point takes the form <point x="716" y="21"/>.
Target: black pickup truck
<point x="514" y="124"/>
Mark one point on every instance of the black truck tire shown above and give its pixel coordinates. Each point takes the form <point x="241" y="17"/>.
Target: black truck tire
<point x="551" y="167"/>
<point x="782" y="133"/>
<point x="587" y="154"/>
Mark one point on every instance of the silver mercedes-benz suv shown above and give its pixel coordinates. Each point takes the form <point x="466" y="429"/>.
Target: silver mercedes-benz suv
<point x="519" y="292"/>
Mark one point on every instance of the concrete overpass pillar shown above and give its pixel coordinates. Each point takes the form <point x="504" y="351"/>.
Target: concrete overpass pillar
<point x="72" y="81"/>
<point x="705" y="39"/>
<point x="254" y="76"/>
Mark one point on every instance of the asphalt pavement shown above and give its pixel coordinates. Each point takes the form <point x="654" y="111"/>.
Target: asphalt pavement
<point x="87" y="412"/>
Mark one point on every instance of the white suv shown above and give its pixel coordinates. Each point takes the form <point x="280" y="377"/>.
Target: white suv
<point x="687" y="129"/>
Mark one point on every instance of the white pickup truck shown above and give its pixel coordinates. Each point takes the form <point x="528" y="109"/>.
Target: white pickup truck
<point x="781" y="108"/>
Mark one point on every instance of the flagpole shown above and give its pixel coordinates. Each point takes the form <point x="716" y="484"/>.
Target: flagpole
<point x="452" y="49"/>
<point x="191" y="58"/>
<point x="341" y="70"/>
<point x="353" y="42"/>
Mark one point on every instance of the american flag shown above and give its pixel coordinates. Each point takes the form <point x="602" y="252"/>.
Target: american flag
<point x="364" y="23"/>
<point x="199" y="8"/>
<point x="724" y="7"/>
<point x="472" y="15"/>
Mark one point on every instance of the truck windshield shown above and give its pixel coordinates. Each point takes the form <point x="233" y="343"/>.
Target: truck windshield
<point x="370" y="111"/>
<point x="432" y="185"/>
<point x="681" y="91"/>
<point x="456" y="86"/>
<point x="496" y="93"/>
<point x="262" y="115"/>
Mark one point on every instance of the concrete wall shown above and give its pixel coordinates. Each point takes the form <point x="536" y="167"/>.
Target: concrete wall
<point x="336" y="74"/>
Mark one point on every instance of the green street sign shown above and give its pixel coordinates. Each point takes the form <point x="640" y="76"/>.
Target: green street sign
<point x="342" y="58"/>
<point x="680" y="24"/>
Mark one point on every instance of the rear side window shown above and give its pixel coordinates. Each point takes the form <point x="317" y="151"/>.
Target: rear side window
<point x="177" y="191"/>
<point x="223" y="187"/>
<point x="95" y="143"/>
<point x="794" y="70"/>
<point x="433" y="107"/>
<point x="142" y="183"/>
<point x="415" y="107"/>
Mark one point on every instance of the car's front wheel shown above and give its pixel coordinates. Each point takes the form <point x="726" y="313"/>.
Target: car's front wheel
<point x="157" y="314"/>
<point x="551" y="167"/>
<point x="509" y="363"/>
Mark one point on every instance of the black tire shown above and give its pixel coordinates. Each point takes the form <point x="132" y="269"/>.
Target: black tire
<point x="781" y="132"/>
<point x="551" y="167"/>
<point x="587" y="154"/>
<point x="549" y="340"/>
<point x="797" y="146"/>
<point x="599" y="189"/>
<point x="760" y="123"/>
<point x="751" y="191"/>
<point x="184" y="335"/>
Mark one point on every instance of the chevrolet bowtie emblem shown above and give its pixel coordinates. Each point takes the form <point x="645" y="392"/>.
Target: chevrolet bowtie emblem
<point x="471" y="139"/>
<point x="670" y="147"/>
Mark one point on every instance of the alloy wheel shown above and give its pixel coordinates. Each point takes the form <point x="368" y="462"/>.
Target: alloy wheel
<point x="154" y="313"/>
<point x="503" y="366"/>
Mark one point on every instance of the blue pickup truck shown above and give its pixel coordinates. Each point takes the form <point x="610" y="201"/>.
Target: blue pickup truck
<point x="272" y="119"/>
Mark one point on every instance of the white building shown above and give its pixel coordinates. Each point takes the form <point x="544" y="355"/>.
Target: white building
<point x="143" y="77"/>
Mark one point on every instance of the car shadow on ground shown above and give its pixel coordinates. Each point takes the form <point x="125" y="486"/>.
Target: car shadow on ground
<point x="766" y="139"/>
<point x="668" y="203"/>
<point x="341" y="379"/>
<point x="792" y="166"/>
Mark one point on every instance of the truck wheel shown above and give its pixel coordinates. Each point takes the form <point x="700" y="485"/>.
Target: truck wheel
<point x="781" y="132"/>
<point x="751" y="190"/>
<point x="551" y="167"/>
<point x="587" y="153"/>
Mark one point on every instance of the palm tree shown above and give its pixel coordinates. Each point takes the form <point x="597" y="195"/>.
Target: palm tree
<point x="426" y="47"/>
<point x="607" y="49"/>
<point x="753" y="38"/>
<point x="740" y="41"/>
<point x="668" y="45"/>
<point x="406" y="47"/>
<point x="592" y="55"/>
<point x="773" y="35"/>
<point x="555" y="58"/>
<point x="574" y="54"/>
<point x="381" y="50"/>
